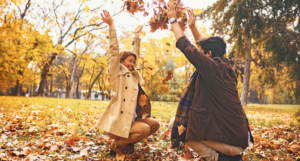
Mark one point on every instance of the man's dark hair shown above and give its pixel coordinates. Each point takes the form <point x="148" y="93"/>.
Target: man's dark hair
<point x="215" y="44"/>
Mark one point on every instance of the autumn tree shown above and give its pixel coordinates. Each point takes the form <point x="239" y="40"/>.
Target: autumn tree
<point x="94" y="68"/>
<point x="21" y="45"/>
<point x="69" y="27"/>
<point x="274" y="24"/>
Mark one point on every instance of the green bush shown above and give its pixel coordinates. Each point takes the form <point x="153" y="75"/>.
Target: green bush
<point x="170" y="98"/>
<point x="297" y="116"/>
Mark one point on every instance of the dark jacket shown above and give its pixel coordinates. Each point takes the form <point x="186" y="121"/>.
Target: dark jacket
<point x="216" y="113"/>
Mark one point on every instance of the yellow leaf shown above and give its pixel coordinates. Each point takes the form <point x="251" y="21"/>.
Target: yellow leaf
<point x="120" y="157"/>
<point x="181" y="129"/>
<point x="86" y="8"/>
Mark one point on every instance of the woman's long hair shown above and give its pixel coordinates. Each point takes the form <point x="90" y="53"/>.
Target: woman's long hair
<point x="123" y="55"/>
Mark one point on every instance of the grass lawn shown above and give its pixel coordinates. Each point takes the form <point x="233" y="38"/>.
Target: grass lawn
<point x="61" y="129"/>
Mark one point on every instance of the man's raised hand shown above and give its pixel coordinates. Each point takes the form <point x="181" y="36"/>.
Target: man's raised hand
<point x="192" y="19"/>
<point x="192" y="25"/>
<point x="171" y="11"/>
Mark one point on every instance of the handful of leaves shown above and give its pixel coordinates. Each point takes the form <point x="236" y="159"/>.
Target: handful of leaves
<point x="160" y="18"/>
<point x="133" y="6"/>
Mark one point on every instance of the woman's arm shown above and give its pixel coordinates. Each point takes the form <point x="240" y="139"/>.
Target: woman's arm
<point x="114" y="54"/>
<point x="136" y="45"/>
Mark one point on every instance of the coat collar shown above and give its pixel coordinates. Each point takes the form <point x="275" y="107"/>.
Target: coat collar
<point x="135" y="73"/>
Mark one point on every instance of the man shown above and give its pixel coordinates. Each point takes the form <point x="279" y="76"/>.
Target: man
<point x="210" y="118"/>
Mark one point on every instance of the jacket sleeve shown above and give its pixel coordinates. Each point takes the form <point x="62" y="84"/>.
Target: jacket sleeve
<point x="202" y="63"/>
<point x="136" y="50"/>
<point x="114" y="55"/>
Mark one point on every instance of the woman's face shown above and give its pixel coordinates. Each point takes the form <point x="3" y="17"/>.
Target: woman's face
<point x="129" y="62"/>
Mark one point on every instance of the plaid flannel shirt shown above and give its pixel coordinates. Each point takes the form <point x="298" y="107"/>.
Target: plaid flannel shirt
<point x="183" y="110"/>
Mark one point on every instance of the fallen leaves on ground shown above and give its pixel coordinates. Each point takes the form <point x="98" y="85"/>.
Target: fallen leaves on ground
<point x="57" y="129"/>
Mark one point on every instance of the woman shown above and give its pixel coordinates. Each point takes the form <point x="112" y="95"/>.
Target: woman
<point x="127" y="116"/>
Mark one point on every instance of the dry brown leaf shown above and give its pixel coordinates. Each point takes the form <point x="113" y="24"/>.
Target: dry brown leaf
<point x="120" y="157"/>
<point x="143" y="100"/>
<point x="145" y="149"/>
<point x="295" y="148"/>
<point x="169" y="77"/>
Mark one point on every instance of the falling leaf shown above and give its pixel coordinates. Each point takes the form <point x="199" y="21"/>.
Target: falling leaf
<point x="134" y="6"/>
<point x="169" y="77"/>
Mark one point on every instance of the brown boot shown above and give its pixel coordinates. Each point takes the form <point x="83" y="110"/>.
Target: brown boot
<point x="130" y="148"/>
<point x="117" y="149"/>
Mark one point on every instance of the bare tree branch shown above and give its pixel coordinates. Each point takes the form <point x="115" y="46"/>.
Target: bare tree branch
<point x="26" y="8"/>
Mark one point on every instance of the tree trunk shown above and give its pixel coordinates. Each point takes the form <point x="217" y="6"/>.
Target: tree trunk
<point x="103" y="88"/>
<point x="68" y="89"/>
<point x="17" y="89"/>
<point x="91" y="85"/>
<point x="29" y="90"/>
<point x="89" y="93"/>
<point x="298" y="86"/>
<point x="51" y="87"/>
<point x="287" y="100"/>
<point x="77" y="90"/>
<point x="44" y="75"/>
<point x="235" y="63"/>
<point x="246" y="79"/>
<point x="260" y="100"/>
<point x="33" y="89"/>
<point x="71" y="93"/>
<point x="100" y="89"/>
<point x="47" y="88"/>
<point x="273" y="95"/>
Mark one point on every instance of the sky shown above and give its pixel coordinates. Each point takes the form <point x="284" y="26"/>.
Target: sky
<point x="126" y="22"/>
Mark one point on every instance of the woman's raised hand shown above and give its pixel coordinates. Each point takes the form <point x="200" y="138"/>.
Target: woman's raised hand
<point x="106" y="18"/>
<point x="138" y="31"/>
<point x="192" y="19"/>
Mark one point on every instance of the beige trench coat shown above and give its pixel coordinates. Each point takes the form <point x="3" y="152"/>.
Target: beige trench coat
<point x="117" y="116"/>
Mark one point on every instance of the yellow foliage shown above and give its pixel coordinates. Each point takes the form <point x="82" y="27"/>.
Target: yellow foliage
<point x="87" y="8"/>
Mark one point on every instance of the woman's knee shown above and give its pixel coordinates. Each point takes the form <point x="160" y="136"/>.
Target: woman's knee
<point x="112" y="136"/>
<point x="144" y="129"/>
<point x="155" y="126"/>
